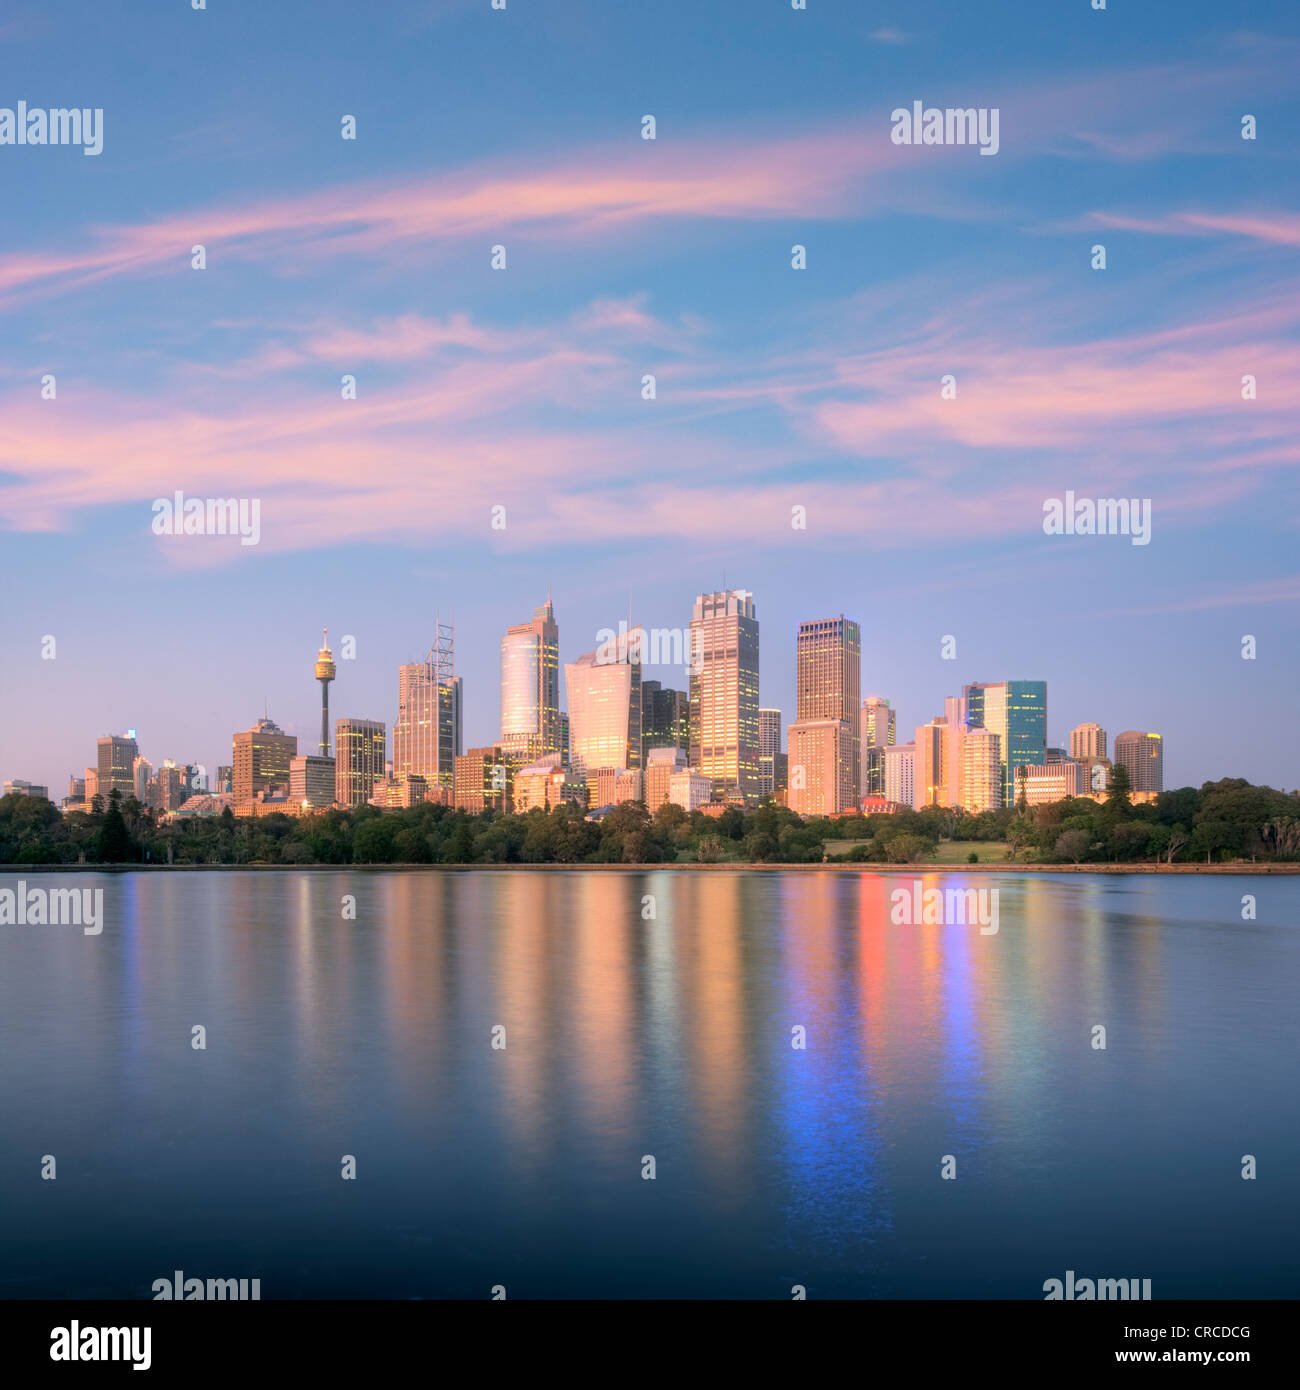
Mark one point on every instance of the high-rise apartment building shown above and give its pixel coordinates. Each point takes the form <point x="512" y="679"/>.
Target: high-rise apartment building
<point x="1143" y="755"/>
<point x="261" y="758"/>
<point x="931" y="764"/>
<point x="900" y="773"/>
<point x="981" y="770"/>
<point x="1017" y="712"/>
<point x="530" y="685"/>
<point x="769" y="745"/>
<point x="724" y="692"/>
<point x="660" y="766"/>
<point x="823" y="763"/>
<point x="1087" y="741"/>
<point x="427" y="735"/>
<point x="360" y="751"/>
<point x="605" y="705"/>
<point x="116" y="765"/>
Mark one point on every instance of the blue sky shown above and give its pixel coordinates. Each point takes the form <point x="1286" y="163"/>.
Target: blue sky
<point x="776" y="388"/>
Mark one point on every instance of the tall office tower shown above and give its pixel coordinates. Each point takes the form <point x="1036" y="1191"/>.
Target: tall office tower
<point x="665" y="717"/>
<point x="900" y="773"/>
<point x="828" y="682"/>
<point x="530" y="685"/>
<point x="769" y="745"/>
<point x="954" y="714"/>
<point x="1017" y="712"/>
<point x="427" y="735"/>
<point x="724" y="692"/>
<point x="931" y="764"/>
<point x="91" y="784"/>
<point x="823" y="765"/>
<point x="981" y="770"/>
<point x="225" y="778"/>
<point x="169" y="788"/>
<point x="311" y="782"/>
<point x="141" y="772"/>
<point x="261" y="759"/>
<point x="604" y="694"/>
<point x="360" y="749"/>
<point x="565" y="738"/>
<point x="1144" y="757"/>
<point x="1087" y="741"/>
<point x="325" y="674"/>
<point x="876" y="729"/>
<point x="116" y="765"/>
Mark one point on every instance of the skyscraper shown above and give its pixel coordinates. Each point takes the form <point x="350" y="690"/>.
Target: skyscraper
<point x="900" y="773"/>
<point x="724" y="692"/>
<point x="665" y="717"/>
<point x="530" y="685"/>
<point x="324" y="673"/>
<point x="981" y="769"/>
<point x="359" y="755"/>
<point x="116" y="765"/>
<point x="876" y="731"/>
<point x="769" y="745"/>
<point x="931" y="764"/>
<point x="262" y="755"/>
<point x="604" y="696"/>
<point x="1017" y="712"/>
<point x="1144" y="757"/>
<point x="427" y="735"/>
<point x="828" y="686"/>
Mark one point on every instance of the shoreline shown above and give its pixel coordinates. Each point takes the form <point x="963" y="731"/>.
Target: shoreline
<point x="1242" y="868"/>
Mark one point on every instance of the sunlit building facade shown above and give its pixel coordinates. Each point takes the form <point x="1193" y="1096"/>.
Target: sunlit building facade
<point x="604" y="697"/>
<point x="1017" y="712"/>
<point x="724" y="693"/>
<point x="360" y="754"/>
<point x="116" y="765"/>
<point x="1087" y="741"/>
<point x="877" y="724"/>
<point x="1143" y="755"/>
<point x="828" y="685"/>
<point x="900" y="773"/>
<point x="530" y="686"/>
<point x="427" y="734"/>
<point x="769" y="746"/>
<point x="261" y="758"/>
<point x="981" y="770"/>
<point x="822" y="755"/>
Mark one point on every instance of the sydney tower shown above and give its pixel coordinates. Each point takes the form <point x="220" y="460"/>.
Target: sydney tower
<point x="325" y="674"/>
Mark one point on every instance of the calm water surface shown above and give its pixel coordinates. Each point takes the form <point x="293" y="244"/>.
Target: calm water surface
<point x="668" y="1037"/>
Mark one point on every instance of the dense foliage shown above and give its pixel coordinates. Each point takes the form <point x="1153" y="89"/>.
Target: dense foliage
<point x="1221" y="821"/>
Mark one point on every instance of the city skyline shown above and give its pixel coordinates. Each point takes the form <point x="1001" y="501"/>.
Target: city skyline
<point x="499" y="439"/>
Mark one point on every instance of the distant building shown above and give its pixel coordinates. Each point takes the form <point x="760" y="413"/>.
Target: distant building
<point x="828" y="685"/>
<point x="690" y="789"/>
<point x="876" y="731"/>
<point x="484" y="780"/>
<point x="91" y="784"/>
<point x="393" y="793"/>
<point x="1052" y="782"/>
<point x="427" y="734"/>
<point x="900" y="773"/>
<point x="1144" y="757"/>
<point x="1087" y="741"/>
<point x="1017" y="712"/>
<point x="661" y="765"/>
<point x="610" y="786"/>
<point x="311" y="782"/>
<point x="530" y="685"/>
<point x="665" y="718"/>
<point x="930" y="765"/>
<point x="981" y="770"/>
<point x="116" y="765"/>
<point x="823" y="767"/>
<point x="724" y="692"/>
<point x="769" y="745"/>
<point x="169" y="787"/>
<point x="360" y="751"/>
<point x="546" y="784"/>
<point x="261" y="760"/>
<point x="879" y="806"/>
<point x="604" y="695"/>
<point x="76" y="797"/>
<point x="20" y="788"/>
<point x="141" y="776"/>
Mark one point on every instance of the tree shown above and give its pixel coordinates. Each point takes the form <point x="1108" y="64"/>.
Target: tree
<point x="1073" y="845"/>
<point x="1118" y="796"/>
<point x="115" y="843"/>
<point x="1022" y="796"/>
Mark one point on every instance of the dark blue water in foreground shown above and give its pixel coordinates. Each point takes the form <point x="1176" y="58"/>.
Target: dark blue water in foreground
<point x="670" y="1038"/>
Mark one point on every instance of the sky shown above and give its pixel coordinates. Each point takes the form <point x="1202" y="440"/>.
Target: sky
<point x="782" y="395"/>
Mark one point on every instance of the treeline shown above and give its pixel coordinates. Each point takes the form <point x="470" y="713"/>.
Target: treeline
<point x="1220" y="822"/>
